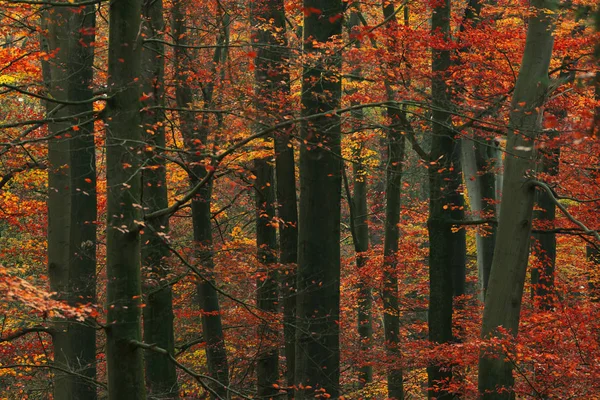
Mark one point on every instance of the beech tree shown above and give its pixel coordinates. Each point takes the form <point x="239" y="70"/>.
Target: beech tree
<point x="71" y="192"/>
<point x="505" y="290"/>
<point x="148" y="175"/>
<point x="123" y="156"/>
<point x="161" y="376"/>
<point x="318" y="298"/>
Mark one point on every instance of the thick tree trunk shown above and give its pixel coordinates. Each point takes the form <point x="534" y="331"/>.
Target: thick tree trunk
<point x="161" y="376"/>
<point x="505" y="291"/>
<point x="442" y="185"/>
<point x="72" y="195"/>
<point x="125" y="363"/>
<point x="195" y="135"/>
<point x="318" y="296"/>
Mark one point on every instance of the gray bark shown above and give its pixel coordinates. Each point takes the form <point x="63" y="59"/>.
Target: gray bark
<point x="268" y="61"/>
<point x="360" y="227"/>
<point x="161" y="376"/>
<point x="72" y="195"/>
<point x="505" y="291"/>
<point x="318" y="296"/>
<point x="542" y="279"/>
<point x="479" y="166"/>
<point x="443" y="181"/>
<point x="125" y="363"/>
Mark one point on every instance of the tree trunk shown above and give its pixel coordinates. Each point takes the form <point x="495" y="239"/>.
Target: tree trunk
<point x="277" y="85"/>
<point x="125" y="363"/>
<point x="394" y="168"/>
<point x="442" y="185"/>
<point x="360" y="225"/>
<point x="318" y="296"/>
<point x="72" y="195"/>
<point x="479" y="161"/>
<point x="267" y="369"/>
<point x="195" y="135"/>
<point x="161" y="376"/>
<point x="268" y="62"/>
<point x="542" y="279"/>
<point x="505" y="291"/>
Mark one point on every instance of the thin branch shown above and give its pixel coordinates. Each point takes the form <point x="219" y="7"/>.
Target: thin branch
<point x="200" y="378"/>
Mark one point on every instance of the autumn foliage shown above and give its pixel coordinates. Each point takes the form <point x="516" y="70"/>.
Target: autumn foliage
<point x="557" y="351"/>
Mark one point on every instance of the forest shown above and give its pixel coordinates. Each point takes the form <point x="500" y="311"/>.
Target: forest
<point x="299" y="199"/>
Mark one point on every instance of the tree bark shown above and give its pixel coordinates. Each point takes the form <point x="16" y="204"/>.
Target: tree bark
<point x="268" y="69"/>
<point x="360" y="225"/>
<point x="542" y="279"/>
<point x="125" y="363"/>
<point x="318" y="296"/>
<point x="72" y="194"/>
<point x="479" y="162"/>
<point x="161" y="376"/>
<point x="195" y="135"/>
<point x="394" y="169"/>
<point x="442" y="187"/>
<point x="285" y="175"/>
<point x="505" y="291"/>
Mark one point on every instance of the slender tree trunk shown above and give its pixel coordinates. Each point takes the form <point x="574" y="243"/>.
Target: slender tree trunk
<point x="72" y="194"/>
<point x="391" y="320"/>
<point x="360" y="225"/>
<point x="542" y="279"/>
<point x="505" y="291"/>
<point x="318" y="297"/>
<point x="442" y="181"/>
<point x="285" y="174"/>
<point x="457" y="213"/>
<point x="125" y="363"/>
<point x="161" y="376"/>
<point x="394" y="168"/>
<point x="267" y="294"/>
<point x="268" y="62"/>
<point x="273" y="93"/>
<point x="479" y="161"/>
<point x="593" y="256"/>
<point x="195" y="135"/>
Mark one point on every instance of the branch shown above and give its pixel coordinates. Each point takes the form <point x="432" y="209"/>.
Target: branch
<point x="198" y="377"/>
<point x="56" y="367"/>
<point x="53" y="100"/>
<point x="23" y="332"/>
<point x="564" y="210"/>
<point x="30" y="165"/>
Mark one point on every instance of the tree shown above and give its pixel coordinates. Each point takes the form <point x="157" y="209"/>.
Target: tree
<point x="505" y="291"/>
<point x="318" y="296"/>
<point x="161" y="376"/>
<point x="195" y="135"/>
<point x="268" y="67"/>
<point x="125" y="363"/>
<point x="443" y="247"/>
<point x="72" y="192"/>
